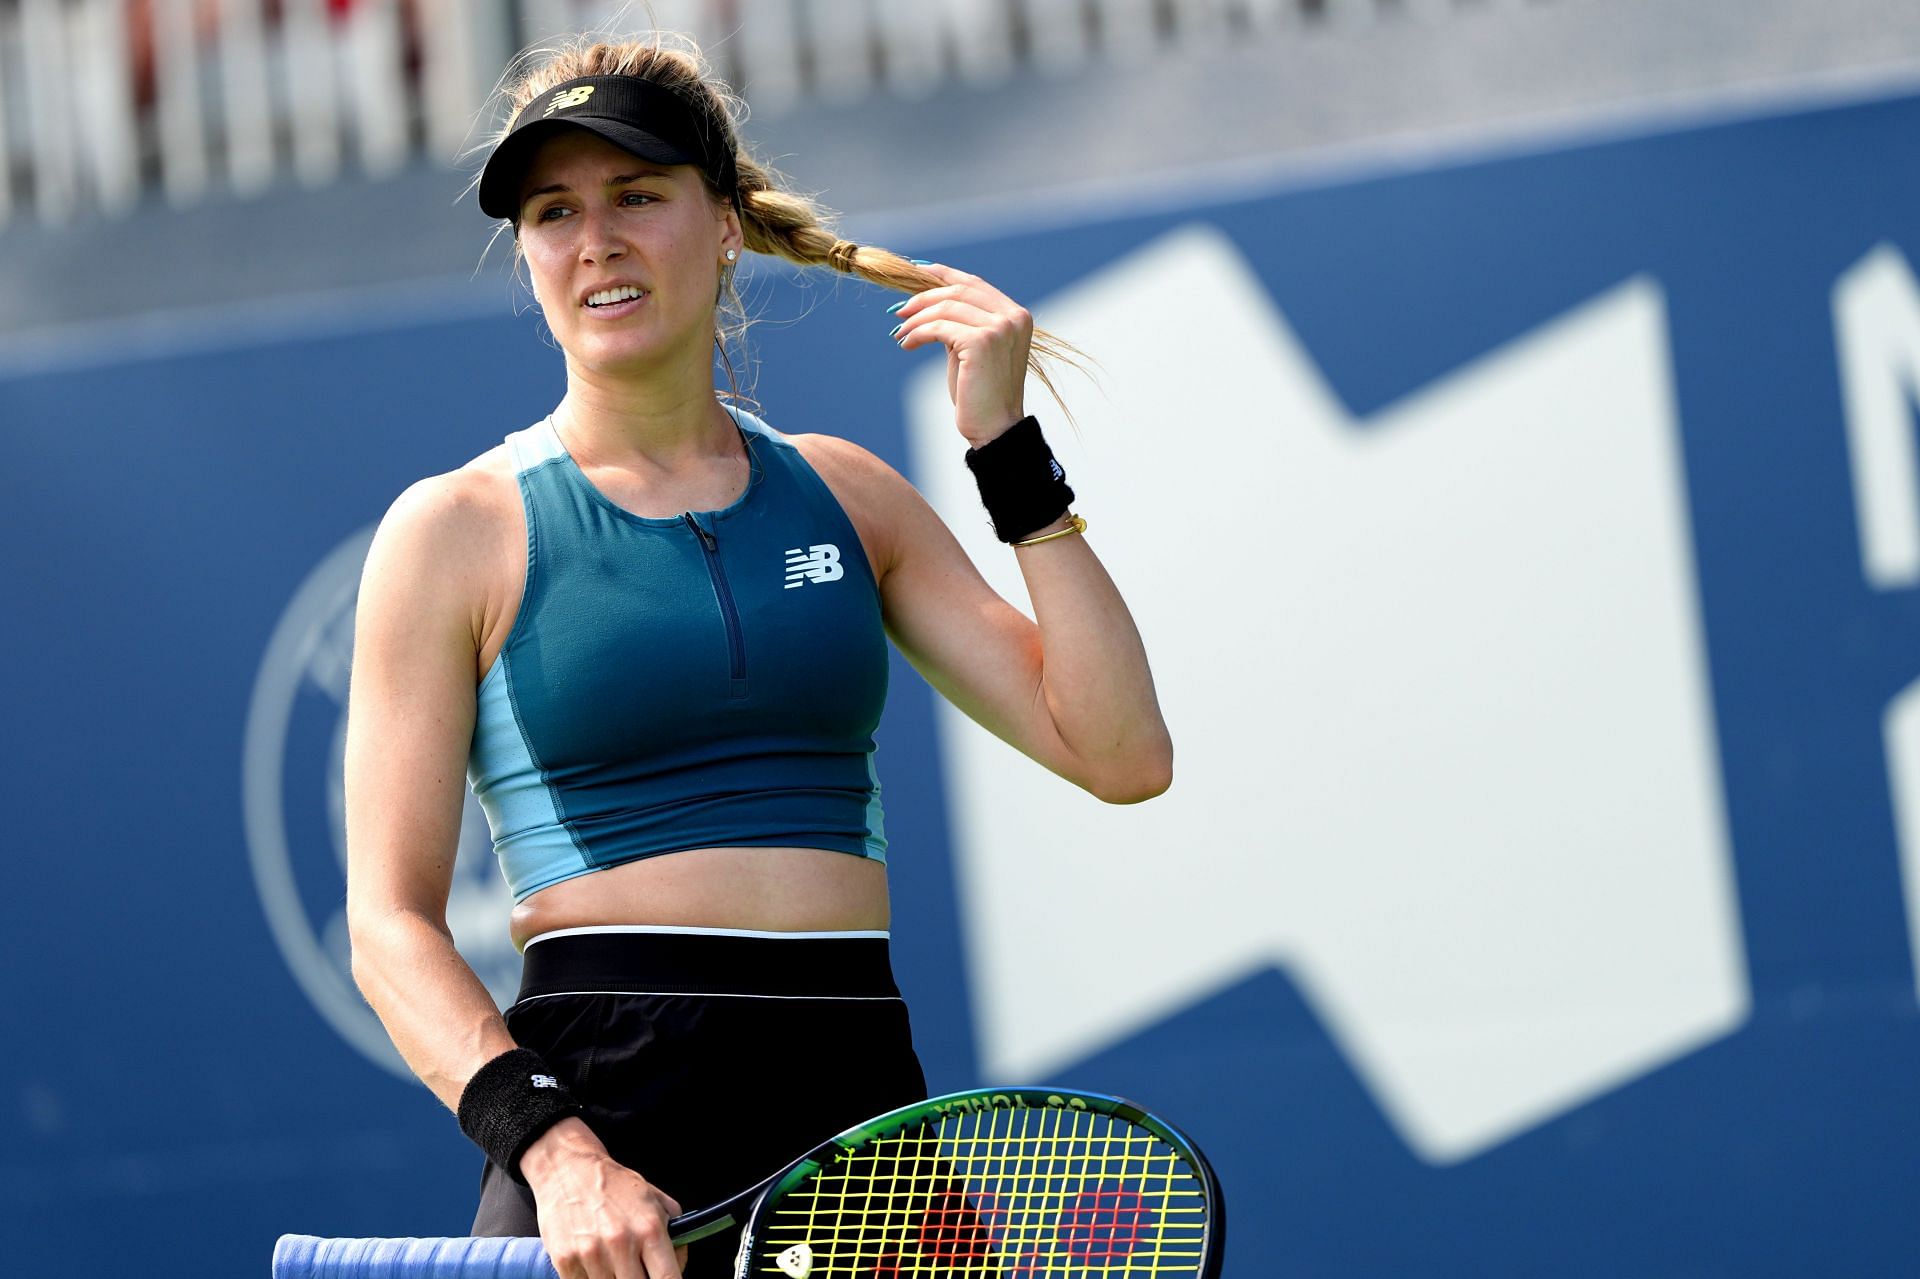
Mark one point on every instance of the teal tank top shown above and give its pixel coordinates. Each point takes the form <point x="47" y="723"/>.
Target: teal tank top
<point x="708" y="680"/>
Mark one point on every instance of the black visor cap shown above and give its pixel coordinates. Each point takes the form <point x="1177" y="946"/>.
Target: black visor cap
<point x="638" y="116"/>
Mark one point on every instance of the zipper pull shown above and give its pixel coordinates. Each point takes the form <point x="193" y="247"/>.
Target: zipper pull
<point x="706" y="539"/>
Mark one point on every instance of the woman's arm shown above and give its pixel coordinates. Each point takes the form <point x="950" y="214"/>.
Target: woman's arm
<point x="1077" y="673"/>
<point x="409" y="723"/>
<point x="1069" y="688"/>
<point x="423" y="608"/>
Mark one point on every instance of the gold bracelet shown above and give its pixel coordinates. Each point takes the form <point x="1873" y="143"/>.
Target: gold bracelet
<point x="1075" y="524"/>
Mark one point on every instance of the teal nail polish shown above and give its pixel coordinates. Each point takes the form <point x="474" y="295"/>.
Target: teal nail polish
<point x="894" y="332"/>
<point x="919" y="261"/>
<point x="895" y="308"/>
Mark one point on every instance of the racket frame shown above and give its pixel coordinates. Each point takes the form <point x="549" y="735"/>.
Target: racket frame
<point x="759" y="1202"/>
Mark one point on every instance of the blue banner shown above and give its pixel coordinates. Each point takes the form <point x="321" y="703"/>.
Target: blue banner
<point x="1528" y="552"/>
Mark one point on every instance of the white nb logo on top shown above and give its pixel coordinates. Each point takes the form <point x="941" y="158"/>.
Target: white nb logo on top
<point x="814" y="564"/>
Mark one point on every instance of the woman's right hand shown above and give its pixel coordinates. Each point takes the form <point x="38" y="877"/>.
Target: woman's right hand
<point x="598" y="1219"/>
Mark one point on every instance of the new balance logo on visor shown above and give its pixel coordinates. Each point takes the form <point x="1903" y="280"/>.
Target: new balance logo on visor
<point x="574" y="97"/>
<point x="815" y="564"/>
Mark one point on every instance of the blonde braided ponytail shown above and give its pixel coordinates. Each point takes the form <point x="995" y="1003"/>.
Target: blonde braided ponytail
<point x="779" y="223"/>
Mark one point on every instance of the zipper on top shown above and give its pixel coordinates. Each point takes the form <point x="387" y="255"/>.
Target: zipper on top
<point x="729" y="614"/>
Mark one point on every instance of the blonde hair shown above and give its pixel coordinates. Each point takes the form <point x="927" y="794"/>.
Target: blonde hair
<point x="775" y="220"/>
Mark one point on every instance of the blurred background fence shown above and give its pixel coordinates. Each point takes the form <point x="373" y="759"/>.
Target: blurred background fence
<point x="101" y="100"/>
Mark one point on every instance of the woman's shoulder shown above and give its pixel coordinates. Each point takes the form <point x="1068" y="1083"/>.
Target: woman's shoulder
<point x="447" y="517"/>
<point x="839" y="461"/>
<point x="478" y="490"/>
<point x="833" y="451"/>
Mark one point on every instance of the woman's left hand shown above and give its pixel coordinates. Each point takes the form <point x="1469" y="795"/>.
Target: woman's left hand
<point x="986" y="334"/>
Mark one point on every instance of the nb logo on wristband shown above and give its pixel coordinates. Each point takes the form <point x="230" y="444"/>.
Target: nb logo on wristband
<point x="545" y="1081"/>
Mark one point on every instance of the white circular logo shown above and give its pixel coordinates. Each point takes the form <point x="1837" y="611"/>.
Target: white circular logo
<point x="295" y="814"/>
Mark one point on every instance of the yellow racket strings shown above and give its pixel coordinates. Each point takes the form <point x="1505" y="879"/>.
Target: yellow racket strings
<point x="996" y="1193"/>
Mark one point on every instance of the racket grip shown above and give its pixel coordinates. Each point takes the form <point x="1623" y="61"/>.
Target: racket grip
<point x="309" y="1257"/>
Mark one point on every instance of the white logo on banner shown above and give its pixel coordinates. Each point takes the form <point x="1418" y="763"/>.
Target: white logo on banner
<point x="296" y="837"/>
<point x="1436" y="679"/>
<point x="1876" y="322"/>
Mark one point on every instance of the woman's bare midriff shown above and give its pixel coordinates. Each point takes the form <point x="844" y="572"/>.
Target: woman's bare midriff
<point x="769" y="889"/>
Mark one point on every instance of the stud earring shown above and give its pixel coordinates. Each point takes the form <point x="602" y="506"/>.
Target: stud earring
<point x="732" y="254"/>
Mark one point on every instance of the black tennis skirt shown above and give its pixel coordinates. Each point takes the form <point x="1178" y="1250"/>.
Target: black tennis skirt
<point x="709" y="1059"/>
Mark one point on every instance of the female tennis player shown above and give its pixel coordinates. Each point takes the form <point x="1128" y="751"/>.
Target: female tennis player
<point x="650" y="630"/>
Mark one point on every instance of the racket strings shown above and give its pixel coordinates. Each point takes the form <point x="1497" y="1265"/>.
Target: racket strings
<point x="999" y="1193"/>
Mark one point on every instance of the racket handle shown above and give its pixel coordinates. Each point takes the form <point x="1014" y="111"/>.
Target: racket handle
<point x="309" y="1257"/>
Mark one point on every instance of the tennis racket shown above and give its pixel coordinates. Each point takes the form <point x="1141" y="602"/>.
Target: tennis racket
<point x="1014" y="1183"/>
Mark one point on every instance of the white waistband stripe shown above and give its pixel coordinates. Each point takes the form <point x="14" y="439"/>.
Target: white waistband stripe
<point x="707" y="994"/>
<point x="679" y="931"/>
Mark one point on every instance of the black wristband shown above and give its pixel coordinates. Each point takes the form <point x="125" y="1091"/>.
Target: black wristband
<point x="509" y="1102"/>
<point x="1021" y="483"/>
